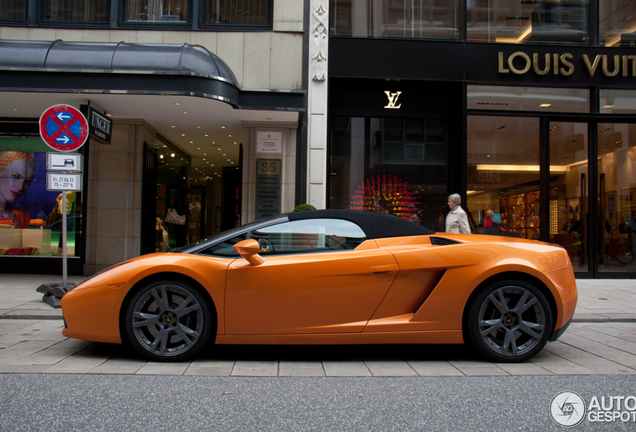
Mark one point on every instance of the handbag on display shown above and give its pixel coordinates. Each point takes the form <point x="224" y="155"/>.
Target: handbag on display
<point x="175" y="218"/>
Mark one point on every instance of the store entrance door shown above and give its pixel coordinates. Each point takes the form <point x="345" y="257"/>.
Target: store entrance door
<point x="569" y="204"/>
<point x="231" y="198"/>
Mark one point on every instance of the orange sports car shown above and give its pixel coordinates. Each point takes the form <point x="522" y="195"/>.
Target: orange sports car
<point x="331" y="277"/>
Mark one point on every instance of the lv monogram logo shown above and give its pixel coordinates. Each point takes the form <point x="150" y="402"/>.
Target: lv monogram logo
<point x="393" y="98"/>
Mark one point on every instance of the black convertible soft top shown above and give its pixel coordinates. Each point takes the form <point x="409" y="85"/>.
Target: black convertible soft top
<point x="374" y="224"/>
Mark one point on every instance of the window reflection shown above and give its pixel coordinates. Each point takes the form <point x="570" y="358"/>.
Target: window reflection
<point x="569" y="179"/>
<point x="13" y="9"/>
<point x="514" y="21"/>
<point x="174" y="11"/>
<point x="237" y="12"/>
<point x="503" y="175"/>
<point x="390" y="165"/>
<point x="437" y="19"/>
<point x="528" y="99"/>
<point x="77" y="10"/>
<point x="617" y="23"/>
<point x="617" y="197"/>
<point x="618" y="101"/>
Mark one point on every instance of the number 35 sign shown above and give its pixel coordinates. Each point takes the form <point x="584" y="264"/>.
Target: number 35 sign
<point x="268" y="187"/>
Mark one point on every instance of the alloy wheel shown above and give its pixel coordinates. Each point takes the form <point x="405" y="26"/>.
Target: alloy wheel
<point x="511" y="322"/>
<point x="168" y="321"/>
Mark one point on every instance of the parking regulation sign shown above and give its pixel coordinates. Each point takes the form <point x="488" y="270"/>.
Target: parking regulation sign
<point x="63" y="128"/>
<point x="63" y="181"/>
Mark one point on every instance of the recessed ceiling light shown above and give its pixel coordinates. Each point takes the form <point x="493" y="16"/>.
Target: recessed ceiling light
<point x="234" y="142"/>
<point x="185" y="112"/>
<point x="608" y="106"/>
<point x="109" y="115"/>
<point x="173" y="126"/>
<point x="160" y="156"/>
<point x="223" y="154"/>
<point x="218" y="149"/>
<point x="15" y="109"/>
<point x="198" y="127"/>
<point x="191" y="142"/>
<point x="205" y="135"/>
<point x="222" y="127"/>
<point x="203" y="158"/>
<point x="545" y="105"/>
<point x="230" y="136"/>
<point x="182" y="134"/>
<point x="199" y="148"/>
<point x="178" y="103"/>
<point x="172" y="155"/>
<point x="232" y="163"/>
<point x="228" y="159"/>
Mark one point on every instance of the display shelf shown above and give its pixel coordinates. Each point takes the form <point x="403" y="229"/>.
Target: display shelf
<point x="521" y="213"/>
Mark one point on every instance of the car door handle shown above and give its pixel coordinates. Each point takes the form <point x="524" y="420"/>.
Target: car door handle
<point x="384" y="268"/>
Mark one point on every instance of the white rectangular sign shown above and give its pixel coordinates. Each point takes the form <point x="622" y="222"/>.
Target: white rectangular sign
<point x="63" y="161"/>
<point x="269" y="142"/>
<point x="63" y="182"/>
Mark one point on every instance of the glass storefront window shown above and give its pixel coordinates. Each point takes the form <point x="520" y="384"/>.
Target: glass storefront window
<point x="77" y="11"/>
<point x="435" y="19"/>
<point x="514" y="21"/>
<point x="503" y="175"/>
<point x="539" y="99"/>
<point x="173" y="172"/>
<point x="30" y="215"/>
<point x="13" y="9"/>
<point x="617" y="197"/>
<point x="238" y="12"/>
<point x="165" y="12"/>
<point x="618" y="101"/>
<point x="391" y="165"/>
<point x="569" y="179"/>
<point x="617" y="27"/>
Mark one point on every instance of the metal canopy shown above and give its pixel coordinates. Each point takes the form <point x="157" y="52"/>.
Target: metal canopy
<point x="116" y="67"/>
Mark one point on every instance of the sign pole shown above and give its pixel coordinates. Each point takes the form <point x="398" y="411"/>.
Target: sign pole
<point x="65" y="129"/>
<point x="64" y="256"/>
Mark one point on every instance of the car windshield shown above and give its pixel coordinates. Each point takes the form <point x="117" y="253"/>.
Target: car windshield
<point x="192" y="247"/>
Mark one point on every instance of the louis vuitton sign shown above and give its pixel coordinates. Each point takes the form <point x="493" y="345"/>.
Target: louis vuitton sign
<point x="520" y="63"/>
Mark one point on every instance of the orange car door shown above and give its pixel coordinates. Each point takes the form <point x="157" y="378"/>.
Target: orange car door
<point x="328" y="292"/>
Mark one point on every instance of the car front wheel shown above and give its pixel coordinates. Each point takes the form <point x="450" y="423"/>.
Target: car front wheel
<point x="168" y="321"/>
<point x="509" y="321"/>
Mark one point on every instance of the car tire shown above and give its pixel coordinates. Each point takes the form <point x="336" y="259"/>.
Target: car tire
<point x="169" y="321"/>
<point x="509" y="321"/>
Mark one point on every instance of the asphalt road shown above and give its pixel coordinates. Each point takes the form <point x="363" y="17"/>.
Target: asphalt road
<point x="36" y="402"/>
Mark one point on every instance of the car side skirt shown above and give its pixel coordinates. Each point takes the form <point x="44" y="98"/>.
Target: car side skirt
<point x="415" y="337"/>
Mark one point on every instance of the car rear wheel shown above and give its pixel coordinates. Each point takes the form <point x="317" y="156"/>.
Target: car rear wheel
<point x="509" y="321"/>
<point x="168" y="321"/>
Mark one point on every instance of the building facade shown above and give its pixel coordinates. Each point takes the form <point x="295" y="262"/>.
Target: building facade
<point x="187" y="93"/>
<point x="526" y="108"/>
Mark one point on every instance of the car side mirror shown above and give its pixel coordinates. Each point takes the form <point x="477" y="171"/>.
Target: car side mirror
<point x="249" y="250"/>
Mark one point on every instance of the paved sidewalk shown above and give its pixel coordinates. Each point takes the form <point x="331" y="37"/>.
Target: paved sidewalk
<point x="600" y="300"/>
